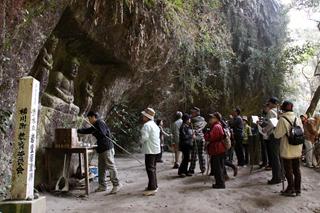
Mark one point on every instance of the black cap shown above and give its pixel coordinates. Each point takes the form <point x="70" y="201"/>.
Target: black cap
<point x="273" y="100"/>
<point x="287" y="106"/>
<point x="237" y="110"/>
<point x="195" y="109"/>
<point x="216" y="115"/>
<point x="185" y="118"/>
<point x="92" y="114"/>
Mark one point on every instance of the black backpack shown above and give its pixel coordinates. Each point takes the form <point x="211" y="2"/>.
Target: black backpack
<point x="295" y="135"/>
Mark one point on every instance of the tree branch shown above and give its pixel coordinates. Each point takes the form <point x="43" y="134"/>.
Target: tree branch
<point x="314" y="102"/>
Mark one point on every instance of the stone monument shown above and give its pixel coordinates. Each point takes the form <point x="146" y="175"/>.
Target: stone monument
<point x="24" y="151"/>
<point x="59" y="94"/>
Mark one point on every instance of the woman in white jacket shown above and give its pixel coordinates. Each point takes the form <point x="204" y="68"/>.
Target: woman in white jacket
<point x="290" y="154"/>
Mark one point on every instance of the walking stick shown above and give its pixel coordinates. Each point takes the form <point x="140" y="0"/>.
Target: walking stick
<point x="115" y="143"/>
<point x="281" y="160"/>
<point x="172" y="148"/>
<point x="282" y="171"/>
<point x="195" y="150"/>
<point x="309" y="150"/>
<point x="208" y="168"/>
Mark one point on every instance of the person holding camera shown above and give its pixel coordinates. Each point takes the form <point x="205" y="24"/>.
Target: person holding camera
<point x="273" y="145"/>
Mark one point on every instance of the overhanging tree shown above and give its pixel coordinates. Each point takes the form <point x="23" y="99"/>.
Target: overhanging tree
<point x="312" y="5"/>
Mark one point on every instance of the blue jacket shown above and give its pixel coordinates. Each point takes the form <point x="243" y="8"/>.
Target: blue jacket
<point x="99" y="131"/>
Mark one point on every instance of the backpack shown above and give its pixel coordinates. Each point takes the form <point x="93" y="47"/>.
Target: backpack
<point x="227" y="138"/>
<point x="295" y="135"/>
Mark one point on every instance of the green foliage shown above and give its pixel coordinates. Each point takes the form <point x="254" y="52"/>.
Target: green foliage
<point x="149" y="3"/>
<point x="33" y="10"/>
<point x="298" y="54"/>
<point x="4" y="120"/>
<point x="205" y="44"/>
<point x="177" y="3"/>
<point x="124" y="125"/>
<point x="215" y="4"/>
<point x="185" y="5"/>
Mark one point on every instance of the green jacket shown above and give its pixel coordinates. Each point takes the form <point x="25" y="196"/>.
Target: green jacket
<point x="246" y="133"/>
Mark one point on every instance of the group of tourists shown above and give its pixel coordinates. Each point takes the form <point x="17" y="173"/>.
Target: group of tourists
<point x="274" y="141"/>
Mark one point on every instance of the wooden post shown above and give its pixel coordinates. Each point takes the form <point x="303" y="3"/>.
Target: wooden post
<point x="86" y="169"/>
<point x="25" y="139"/>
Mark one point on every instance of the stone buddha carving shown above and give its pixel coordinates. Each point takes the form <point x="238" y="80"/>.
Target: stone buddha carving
<point x="60" y="91"/>
<point x="87" y="92"/>
<point x="44" y="64"/>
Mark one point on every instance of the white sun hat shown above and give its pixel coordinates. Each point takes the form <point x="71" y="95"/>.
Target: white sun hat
<point x="149" y="113"/>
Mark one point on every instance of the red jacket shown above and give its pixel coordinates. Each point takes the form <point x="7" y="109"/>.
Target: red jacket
<point x="215" y="138"/>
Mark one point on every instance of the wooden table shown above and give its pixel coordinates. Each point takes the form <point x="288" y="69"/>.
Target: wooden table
<point x="69" y="151"/>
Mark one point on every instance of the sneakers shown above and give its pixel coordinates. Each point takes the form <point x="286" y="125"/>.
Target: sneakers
<point x="147" y="189"/>
<point x="235" y="171"/>
<point x="268" y="168"/>
<point x="191" y="172"/>
<point x="115" y="189"/>
<point x="101" y="189"/>
<point x="273" y="182"/>
<point x="203" y="170"/>
<point x="150" y="192"/>
<point x="182" y="175"/>
<point x="288" y="193"/>
<point x="176" y="166"/>
<point x="215" y="186"/>
<point x="262" y="166"/>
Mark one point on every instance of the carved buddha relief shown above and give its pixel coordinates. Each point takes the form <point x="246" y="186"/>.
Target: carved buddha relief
<point x="60" y="91"/>
<point x="44" y="64"/>
<point x="87" y="94"/>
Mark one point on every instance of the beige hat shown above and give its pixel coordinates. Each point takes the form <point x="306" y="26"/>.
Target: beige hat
<point x="245" y="118"/>
<point x="149" y="113"/>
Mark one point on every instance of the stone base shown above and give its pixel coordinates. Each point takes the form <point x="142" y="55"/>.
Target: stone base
<point x="24" y="206"/>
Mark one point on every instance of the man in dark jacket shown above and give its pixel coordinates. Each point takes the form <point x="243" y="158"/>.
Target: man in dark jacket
<point x="186" y="137"/>
<point x="237" y="126"/>
<point x="273" y="144"/>
<point x="105" y="149"/>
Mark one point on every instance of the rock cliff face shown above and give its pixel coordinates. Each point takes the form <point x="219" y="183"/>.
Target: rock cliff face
<point x="167" y="54"/>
